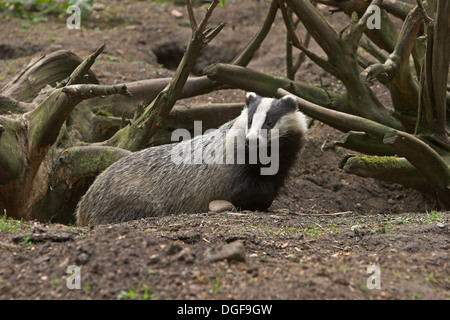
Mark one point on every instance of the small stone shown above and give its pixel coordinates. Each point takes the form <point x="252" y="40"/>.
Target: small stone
<point x="232" y="251"/>
<point x="219" y="206"/>
<point x="185" y="255"/>
<point x="82" y="258"/>
<point x="173" y="248"/>
<point x="176" y="14"/>
<point x="154" y="259"/>
<point x="41" y="259"/>
<point x="98" y="6"/>
<point x="440" y="225"/>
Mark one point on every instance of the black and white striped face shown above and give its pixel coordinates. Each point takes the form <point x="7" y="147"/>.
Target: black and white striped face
<point x="268" y="114"/>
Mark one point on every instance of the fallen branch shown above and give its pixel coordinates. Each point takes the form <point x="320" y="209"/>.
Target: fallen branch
<point x="47" y="70"/>
<point x="424" y="158"/>
<point x="364" y="143"/>
<point x="390" y="169"/>
<point x="267" y="85"/>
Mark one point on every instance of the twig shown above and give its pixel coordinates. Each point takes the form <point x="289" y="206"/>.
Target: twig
<point x="137" y="135"/>
<point x="83" y="68"/>
<point x="398" y="61"/>
<point x="378" y="53"/>
<point x="191" y="15"/>
<point x="298" y="44"/>
<point x="324" y="214"/>
<point x="248" y="52"/>
<point x="424" y="8"/>
<point x="88" y="91"/>
<point x="357" y="29"/>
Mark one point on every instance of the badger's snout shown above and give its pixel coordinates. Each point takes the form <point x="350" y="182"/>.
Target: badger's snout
<point x="255" y="139"/>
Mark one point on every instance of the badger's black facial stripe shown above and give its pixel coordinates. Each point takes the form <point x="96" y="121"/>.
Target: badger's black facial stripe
<point x="278" y="109"/>
<point x="252" y="102"/>
<point x="268" y="115"/>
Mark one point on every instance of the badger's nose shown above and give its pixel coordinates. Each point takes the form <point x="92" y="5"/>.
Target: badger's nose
<point x="251" y="139"/>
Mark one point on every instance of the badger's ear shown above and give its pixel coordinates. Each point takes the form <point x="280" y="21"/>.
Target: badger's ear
<point x="250" y="97"/>
<point x="290" y="102"/>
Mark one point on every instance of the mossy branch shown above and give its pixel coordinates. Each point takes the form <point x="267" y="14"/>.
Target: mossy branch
<point x="12" y="134"/>
<point x="364" y="143"/>
<point x="89" y="160"/>
<point x="267" y="85"/>
<point x="357" y="29"/>
<point x="390" y="169"/>
<point x="11" y="105"/>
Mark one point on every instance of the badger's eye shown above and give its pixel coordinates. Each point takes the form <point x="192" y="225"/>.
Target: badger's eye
<point x="269" y="123"/>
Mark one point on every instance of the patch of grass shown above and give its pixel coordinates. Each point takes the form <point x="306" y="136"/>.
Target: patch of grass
<point x="40" y="10"/>
<point x="26" y="241"/>
<point x="416" y="296"/>
<point x="362" y="287"/>
<point x="430" y="278"/>
<point x="215" y="284"/>
<point x="133" y="294"/>
<point x="87" y="286"/>
<point x="433" y="217"/>
<point x="9" y="224"/>
<point x="345" y="268"/>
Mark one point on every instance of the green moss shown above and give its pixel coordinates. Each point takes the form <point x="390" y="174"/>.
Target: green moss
<point x="104" y="113"/>
<point x="10" y="157"/>
<point x="376" y="162"/>
<point x="92" y="161"/>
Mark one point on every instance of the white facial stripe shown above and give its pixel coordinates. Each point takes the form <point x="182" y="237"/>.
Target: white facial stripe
<point x="238" y="129"/>
<point x="260" y="116"/>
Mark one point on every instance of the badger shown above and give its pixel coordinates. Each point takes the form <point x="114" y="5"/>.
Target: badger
<point x="166" y="180"/>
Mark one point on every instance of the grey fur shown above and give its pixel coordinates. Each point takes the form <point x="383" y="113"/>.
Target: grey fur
<point x="149" y="183"/>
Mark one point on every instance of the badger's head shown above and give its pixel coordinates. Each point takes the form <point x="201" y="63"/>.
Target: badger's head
<point x="266" y="126"/>
<point x="268" y="119"/>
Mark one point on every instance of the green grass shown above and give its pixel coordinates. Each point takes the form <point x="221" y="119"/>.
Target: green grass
<point x="215" y="284"/>
<point x="133" y="294"/>
<point x="9" y="224"/>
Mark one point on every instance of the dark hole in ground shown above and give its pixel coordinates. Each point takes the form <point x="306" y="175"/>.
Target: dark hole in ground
<point x="12" y="52"/>
<point x="169" y="55"/>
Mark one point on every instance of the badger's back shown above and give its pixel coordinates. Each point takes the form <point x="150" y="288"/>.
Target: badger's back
<point x="149" y="183"/>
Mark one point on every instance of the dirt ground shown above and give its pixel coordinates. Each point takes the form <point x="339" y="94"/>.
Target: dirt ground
<point x="328" y="235"/>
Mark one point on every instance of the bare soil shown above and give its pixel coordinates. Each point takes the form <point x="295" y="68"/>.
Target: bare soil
<point x="318" y="239"/>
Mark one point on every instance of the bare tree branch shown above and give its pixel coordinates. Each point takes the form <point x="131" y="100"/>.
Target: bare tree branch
<point x="47" y="70"/>
<point x="83" y="68"/>
<point x="357" y="29"/>
<point x="267" y="85"/>
<point x="320" y="29"/>
<point x="364" y="143"/>
<point x="11" y="105"/>
<point x="298" y="44"/>
<point x="137" y="135"/>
